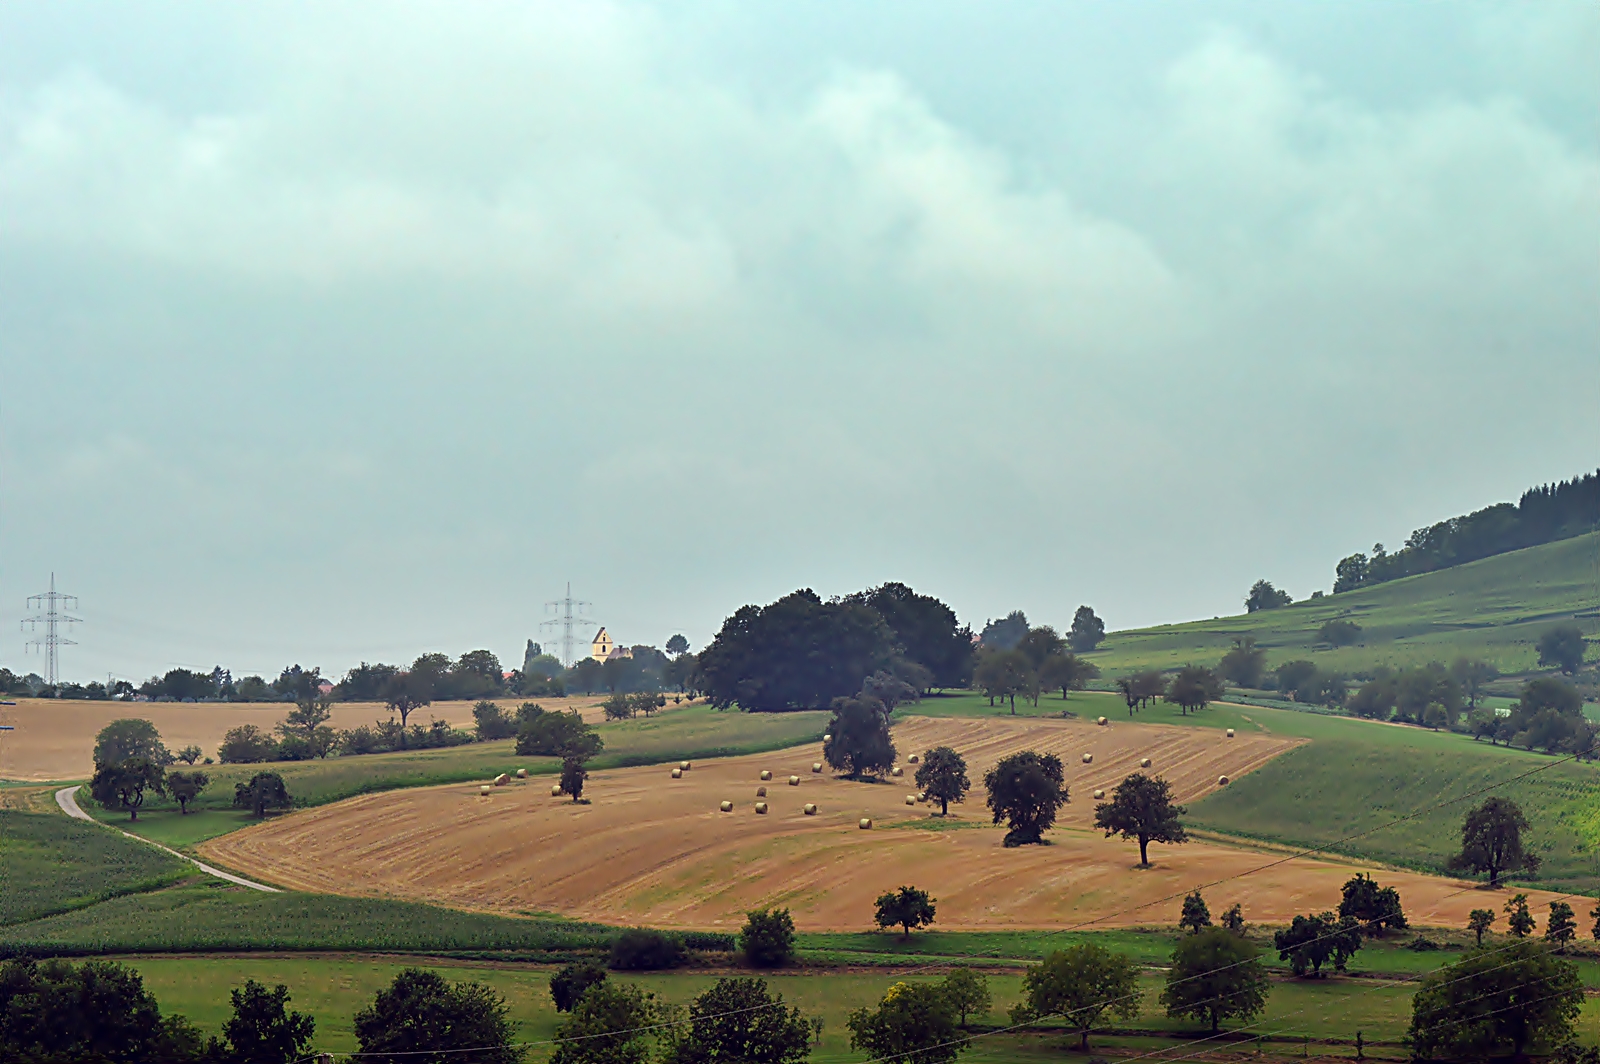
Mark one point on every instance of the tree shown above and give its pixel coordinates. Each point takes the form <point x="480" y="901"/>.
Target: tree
<point x="740" y="1021"/>
<point x="618" y="707"/>
<point x="1087" y="631"/>
<point x="570" y="982"/>
<point x="1491" y="841"/>
<point x="1080" y="984"/>
<point x="1291" y="674"/>
<point x="906" y="908"/>
<point x="262" y="1030"/>
<point x="555" y="734"/>
<point x="943" y="777"/>
<point x="797" y="653"/>
<point x="264" y="791"/>
<point x="1003" y="674"/>
<point x="1376" y="908"/>
<point x="859" y="744"/>
<point x="407" y="692"/>
<point x="1244" y="663"/>
<point x="607" y="1025"/>
<point x="1005" y="633"/>
<point x="190" y="754"/>
<point x="889" y="690"/>
<point x="246" y="745"/>
<point x="309" y="715"/>
<point x="1193" y="688"/>
<point x="1233" y="919"/>
<point x="1263" y="596"/>
<point x="185" y="787"/>
<point x="1215" y="976"/>
<point x="128" y="738"/>
<point x="1473" y="676"/>
<point x="1561" y="928"/>
<point x="99" y="1011"/>
<point x="642" y="949"/>
<point x="574" y="774"/>
<point x="1519" y="921"/>
<point x="1196" y="916"/>
<point x="913" y="1024"/>
<point x="1479" y="921"/>
<point x="926" y="630"/>
<point x="767" y="938"/>
<point x="421" y="1019"/>
<point x="1562" y="647"/>
<point x="1496" y="1003"/>
<point x="1026" y="790"/>
<point x="1311" y="941"/>
<point x="490" y="722"/>
<point x="1338" y="632"/>
<point x="1066" y="672"/>
<point x="677" y="644"/>
<point x="1040" y="643"/>
<point x="1141" y="808"/>
<point x="122" y="786"/>
<point x="967" y="992"/>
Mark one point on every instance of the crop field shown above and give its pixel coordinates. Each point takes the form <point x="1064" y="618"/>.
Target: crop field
<point x="52" y="864"/>
<point x="1493" y="609"/>
<point x="656" y="851"/>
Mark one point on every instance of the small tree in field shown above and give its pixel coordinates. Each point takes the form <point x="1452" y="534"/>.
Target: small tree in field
<point x="905" y="908"/>
<point x="1377" y="908"/>
<point x="859" y="744"/>
<point x="574" y="773"/>
<point x="1561" y="928"/>
<point x="943" y="775"/>
<point x="185" y="787"/>
<point x="1080" y="984"/>
<point x="1141" y="808"/>
<point x="420" y="1013"/>
<point x="1496" y="1005"/>
<point x="263" y="1029"/>
<point x="1025" y="791"/>
<point x="739" y="1019"/>
<point x="1215" y="976"/>
<point x="265" y="791"/>
<point x="1479" y="921"/>
<point x="767" y="939"/>
<point x="967" y="992"/>
<point x="1196" y="916"/>
<point x="568" y="984"/>
<point x="913" y="1024"/>
<point x="1491" y="841"/>
<point x="1518" y="918"/>
<point x="122" y="785"/>
<point x="1193" y="688"/>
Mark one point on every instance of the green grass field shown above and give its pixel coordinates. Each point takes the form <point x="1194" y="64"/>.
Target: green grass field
<point x="1493" y="609"/>
<point x="51" y="864"/>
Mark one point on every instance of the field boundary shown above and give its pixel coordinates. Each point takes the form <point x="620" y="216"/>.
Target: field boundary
<point x="67" y="799"/>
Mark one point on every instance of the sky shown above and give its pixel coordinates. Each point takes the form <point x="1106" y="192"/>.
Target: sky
<point x="346" y="332"/>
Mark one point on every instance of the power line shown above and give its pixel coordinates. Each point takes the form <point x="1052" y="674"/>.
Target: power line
<point x="570" y="615"/>
<point x="52" y="604"/>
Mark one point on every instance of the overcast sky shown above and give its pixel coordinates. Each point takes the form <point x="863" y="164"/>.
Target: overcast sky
<point x="340" y="332"/>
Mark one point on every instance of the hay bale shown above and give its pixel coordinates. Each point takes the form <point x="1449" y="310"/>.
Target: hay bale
<point x="794" y="781"/>
<point x="761" y="792"/>
<point x="1230" y="733"/>
<point x="816" y="766"/>
<point x="522" y="773"/>
<point x="811" y="809"/>
<point x="726" y="807"/>
<point x="865" y="824"/>
<point x="898" y="771"/>
<point x="501" y="780"/>
<point x="766" y="773"/>
<point x="827" y="738"/>
<point x="555" y="791"/>
<point x="913" y="759"/>
<point x="1222" y="781"/>
<point x="911" y="799"/>
<point x="1088" y="759"/>
<point x="677" y="773"/>
<point x="1144" y="762"/>
<point x="1102" y="722"/>
<point x="684" y="765"/>
<point x="761" y="808"/>
<point x="484" y="790"/>
<point x="1098" y="794"/>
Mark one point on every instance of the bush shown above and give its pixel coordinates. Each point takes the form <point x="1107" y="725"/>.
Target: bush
<point x="640" y="949"/>
<point x="246" y="745"/>
<point x="555" y="734"/>
<point x="710" y="941"/>
<point x="568" y="984"/>
<point x="491" y="723"/>
<point x="767" y="939"/>
<point x="265" y="791"/>
<point x="420" y="1013"/>
<point x="1339" y="633"/>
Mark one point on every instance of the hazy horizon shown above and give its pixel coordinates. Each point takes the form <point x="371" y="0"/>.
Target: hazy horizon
<point x="347" y="333"/>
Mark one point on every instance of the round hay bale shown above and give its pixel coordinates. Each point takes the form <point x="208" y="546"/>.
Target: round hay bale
<point x="794" y="781"/>
<point x="811" y="809"/>
<point x="898" y="771"/>
<point x="555" y="791"/>
<point x="922" y="796"/>
<point x="761" y="792"/>
<point x="1102" y="722"/>
<point x="827" y="738"/>
<point x="1222" y="781"/>
<point x="1230" y="733"/>
<point x="484" y="790"/>
<point x="761" y="808"/>
<point x="911" y="799"/>
<point x="1099" y="794"/>
<point x="816" y="766"/>
<point x="522" y="773"/>
<point x="501" y="780"/>
<point x="913" y="759"/>
<point x="766" y="773"/>
<point x="865" y="823"/>
<point x="1144" y="762"/>
<point x="677" y="773"/>
<point x="1088" y="759"/>
<point x="726" y="807"/>
<point x="684" y="765"/>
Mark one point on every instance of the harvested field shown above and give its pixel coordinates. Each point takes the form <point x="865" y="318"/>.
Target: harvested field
<point x="54" y="738"/>
<point x="654" y="850"/>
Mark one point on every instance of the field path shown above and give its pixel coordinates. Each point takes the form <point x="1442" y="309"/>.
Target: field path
<point x="654" y="850"/>
<point x="67" y="799"/>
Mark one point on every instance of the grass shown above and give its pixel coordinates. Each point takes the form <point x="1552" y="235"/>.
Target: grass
<point x="691" y="733"/>
<point x="1493" y="609"/>
<point x="52" y="864"/>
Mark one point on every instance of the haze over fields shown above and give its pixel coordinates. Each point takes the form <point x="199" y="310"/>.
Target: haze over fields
<point x="330" y="334"/>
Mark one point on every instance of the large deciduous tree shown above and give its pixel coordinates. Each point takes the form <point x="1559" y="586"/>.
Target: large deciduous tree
<point x="1080" y="984"/>
<point x="1025" y="791"/>
<point x="1087" y="631"/>
<point x="1142" y="808"/>
<point x="1562" y="647"/>
<point x="1066" y="672"/>
<point x="1193" y="688"/>
<point x="859" y="743"/>
<point x="907" y="908"/>
<point x="264" y="791"/>
<point x="1491" y="841"/>
<point x="797" y="653"/>
<point x="943" y="777"/>
<point x="185" y="787"/>
<point x="1376" y="908"/>
<point x="740" y="1019"/>
<point x="925" y="629"/>
<point x="129" y="738"/>
<point x="1263" y="596"/>
<point x="1312" y="940"/>
<point x="124" y="785"/>
<point x="1215" y="976"/>
<point x="420" y="1013"/>
<point x="263" y="1029"/>
<point x="913" y="1024"/>
<point x="1244" y="662"/>
<point x="1003" y="675"/>
<point x="1496" y="1004"/>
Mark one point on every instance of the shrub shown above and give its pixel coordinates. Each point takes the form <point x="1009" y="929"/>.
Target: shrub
<point x="569" y="984"/>
<point x="420" y="1013"/>
<point x="265" y="791"/>
<point x="490" y="722"/>
<point x="767" y="938"/>
<point x="246" y="745"/>
<point x="640" y="949"/>
<point x="1339" y="633"/>
<point x="711" y="941"/>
